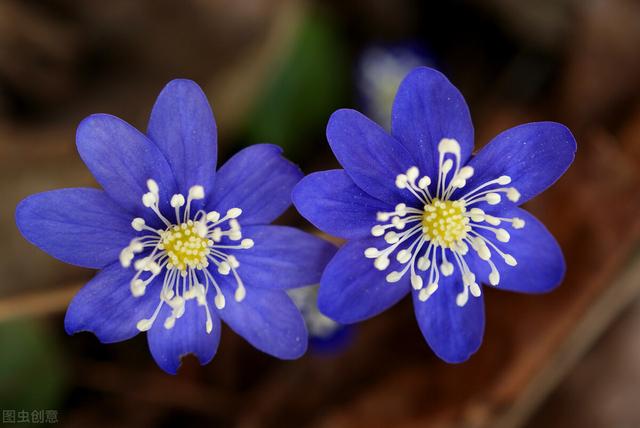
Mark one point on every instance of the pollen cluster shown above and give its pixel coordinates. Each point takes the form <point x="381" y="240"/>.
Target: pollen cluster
<point x="445" y="222"/>
<point x="185" y="247"/>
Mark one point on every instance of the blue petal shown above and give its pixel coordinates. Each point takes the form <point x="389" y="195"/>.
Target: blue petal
<point x="78" y="226"/>
<point x="332" y="202"/>
<point x="370" y="156"/>
<point x="428" y="108"/>
<point x="188" y="336"/>
<point x="541" y="265"/>
<point x="258" y="180"/>
<point x="106" y="307"/>
<point x="122" y="159"/>
<point x="282" y="257"/>
<point x="352" y="289"/>
<point x="183" y="127"/>
<point x="453" y="332"/>
<point x="267" y="319"/>
<point x="534" y="155"/>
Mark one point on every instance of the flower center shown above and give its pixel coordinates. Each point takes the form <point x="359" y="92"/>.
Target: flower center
<point x="435" y="238"/>
<point x="184" y="252"/>
<point x="445" y="223"/>
<point x="185" y="247"/>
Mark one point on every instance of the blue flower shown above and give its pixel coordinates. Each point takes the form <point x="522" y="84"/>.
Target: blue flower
<point x="379" y="72"/>
<point x="325" y="335"/>
<point x="422" y="215"/>
<point x="179" y="245"/>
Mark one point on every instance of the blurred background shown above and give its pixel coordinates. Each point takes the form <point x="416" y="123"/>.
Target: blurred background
<point x="274" y="70"/>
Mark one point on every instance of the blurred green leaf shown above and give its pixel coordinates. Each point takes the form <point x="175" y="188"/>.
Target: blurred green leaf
<point x="32" y="376"/>
<point x="304" y="90"/>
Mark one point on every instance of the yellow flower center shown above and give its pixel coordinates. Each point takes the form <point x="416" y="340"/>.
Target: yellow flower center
<point x="185" y="247"/>
<point x="444" y="222"/>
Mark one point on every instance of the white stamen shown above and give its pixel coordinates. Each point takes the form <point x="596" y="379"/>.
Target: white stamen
<point x="437" y="227"/>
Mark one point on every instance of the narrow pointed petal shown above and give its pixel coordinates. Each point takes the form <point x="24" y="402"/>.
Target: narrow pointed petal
<point x="122" y="159"/>
<point x="259" y="181"/>
<point x="454" y="333"/>
<point x="352" y="289"/>
<point x="282" y="257"/>
<point x="267" y="319"/>
<point x="332" y="202"/>
<point x="428" y="108"/>
<point x="370" y="156"/>
<point x="184" y="129"/>
<point x="106" y="307"/>
<point x="83" y="227"/>
<point x="534" y="155"/>
<point x="188" y="336"/>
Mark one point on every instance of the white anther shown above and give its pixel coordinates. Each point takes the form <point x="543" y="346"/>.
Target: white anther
<point x="137" y="224"/>
<point x="240" y="294"/>
<point x="494" y="221"/>
<point x="475" y="290"/>
<point x="413" y="173"/>
<point x="391" y="237"/>
<point x="224" y="268"/>
<point x="502" y="235"/>
<point x="394" y="276"/>
<point x="483" y="250"/>
<point x="144" y="324"/>
<point x="234" y="213"/>
<point x="424" y="182"/>
<point x="219" y="301"/>
<point x="517" y="223"/>
<point x="371" y="253"/>
<point x="493" y="198"/>
<point x="137" y="288"/>
<point x="401" y="181"/>
<point x="510" y="260"/>
<point x="423" y="263"/>
<point x="503" y="180"/>
<point x="149" y="199"/>
<point x="213" y="216"/>
<point x="416" y="282"/>
<point x="513" y="195"/>
<point x="403" y="256"/>
<point x="462" y="298"/>
<point x="449" y="145"/>
<point x="446" y="166"/>
<point x="494" y="277"/>
<point x="246" y="244"/>
<point x="378" y="230"/>
<point x="446" y="268"/>
<point x="196" y="192"/>
<point x="153" y="186"/>
<point x="381" y="262"/>
<point x="466" y="172"/>
<point x="426" y="292"/>
<point x="177" y="201"/>
<point x="401" y="209"/>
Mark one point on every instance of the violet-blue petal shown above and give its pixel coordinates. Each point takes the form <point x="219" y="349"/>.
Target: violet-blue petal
<point x="282" y="257"/>
<point x="106" y="307"/>
<point x="352" y="289"/>
<point x="183" y="127"/>
<point x="332" y="202"/>
<point x="454" y="333"/>
<point x="426" y="109"/>
<point x="541" y="266"/>
<point x="259" y="181"/>
<point x="370" y="156"/>
<point x="534" y="155"/>
<point x="122" y="159"/>
<point x="267" y="319"/>
<point x="188" y="336"/>
<point x="80" y="226"/>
